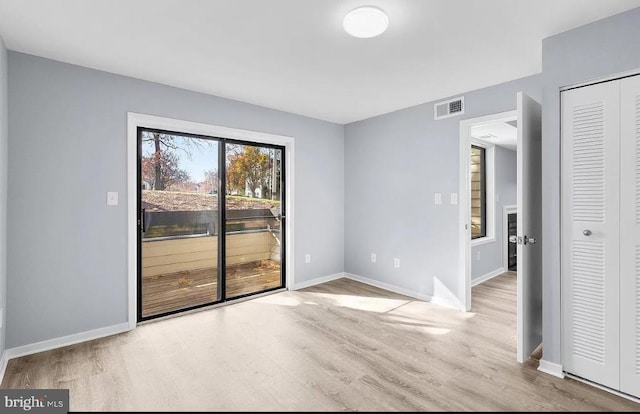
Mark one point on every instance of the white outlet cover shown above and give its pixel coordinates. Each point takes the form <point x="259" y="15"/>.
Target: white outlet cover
<point x="307" y="258"/>
<point x="438" y="198"/>
<point x="396" y="262"/>
<point x="112" y="198"/>
<point x="373" y="257"/>
<point x="454" y="198"/>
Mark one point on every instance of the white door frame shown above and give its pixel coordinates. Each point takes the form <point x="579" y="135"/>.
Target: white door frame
<point x="506" y="210"/>
<point x="135" y="120"/>
<point x="464" y="282"/>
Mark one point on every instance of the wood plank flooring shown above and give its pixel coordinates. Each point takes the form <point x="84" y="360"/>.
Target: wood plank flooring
<point x="179" y="290"/>
<point x="341" y="345"/>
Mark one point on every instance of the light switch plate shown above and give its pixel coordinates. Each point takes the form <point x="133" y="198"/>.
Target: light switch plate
<point x="112" y="198"/>
<point x="454" y="198"/>
<point x="438" y="198"/>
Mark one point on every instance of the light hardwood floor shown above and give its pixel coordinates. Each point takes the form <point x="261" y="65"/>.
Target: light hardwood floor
<point x="341" y="345"/>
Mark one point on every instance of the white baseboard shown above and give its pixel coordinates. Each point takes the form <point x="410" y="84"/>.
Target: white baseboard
<point x="487" y="276"/>
<point x="317" y="281"/>
<point x="402" y="291"/>
<point x="4" y="360"/>
<point x="551" y="368"/>
<point x="603" y="388"/>
<point x="65" y="341"/>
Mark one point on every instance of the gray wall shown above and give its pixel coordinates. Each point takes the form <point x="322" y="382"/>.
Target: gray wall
<point x="4" y="140"/>
<point x="599" y="49"/>
<point x="394" y="163"/>
<point x="68" y="253"/>
<point x="491" y="254"/>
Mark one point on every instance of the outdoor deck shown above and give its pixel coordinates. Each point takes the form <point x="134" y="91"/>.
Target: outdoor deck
<point x="179" y="273"/>
<point x="172" y="291"/>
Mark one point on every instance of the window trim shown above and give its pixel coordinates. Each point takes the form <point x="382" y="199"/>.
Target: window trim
<point x="490" y="193"/>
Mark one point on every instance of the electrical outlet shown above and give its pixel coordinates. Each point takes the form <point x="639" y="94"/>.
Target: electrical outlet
<point x="437" y="198"/>
<point x="373" y="258"/>
<point x="396" y="262"/>
<point x="307" y="258"/>
<point x="112" y="198"/>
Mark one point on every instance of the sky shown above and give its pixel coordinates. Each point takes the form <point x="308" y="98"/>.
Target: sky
<point x="196" y="155"/>
<point x="203" y="157"/>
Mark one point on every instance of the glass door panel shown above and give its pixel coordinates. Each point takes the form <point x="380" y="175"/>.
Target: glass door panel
<point x="179" y="222"/>
<point x="254" y="240"/>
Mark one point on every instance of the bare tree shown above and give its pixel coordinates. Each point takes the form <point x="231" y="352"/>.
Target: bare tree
<point x="161" y="165"/>
<point x="163" y="170"/>
<point x="211" y="180"/>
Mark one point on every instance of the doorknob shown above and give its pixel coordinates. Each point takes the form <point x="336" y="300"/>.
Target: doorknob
<point x="522" y="240"/>
<point x="587" y="232"/>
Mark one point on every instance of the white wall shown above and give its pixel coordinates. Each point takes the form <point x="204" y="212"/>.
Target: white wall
<point x="394" y="164"/>
<point x="4" y="140"/>
<point x="589" y="52"/>
<point x="491" y="254"/>
<point x="68" y="131"/>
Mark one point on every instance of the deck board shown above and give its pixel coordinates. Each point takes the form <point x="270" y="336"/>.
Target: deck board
<point x="178" y="290"/>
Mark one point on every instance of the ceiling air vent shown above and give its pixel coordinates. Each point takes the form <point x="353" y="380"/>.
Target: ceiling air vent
<point x="449" y="108"/>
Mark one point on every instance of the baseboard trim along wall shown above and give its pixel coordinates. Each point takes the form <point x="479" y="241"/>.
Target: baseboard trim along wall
<point x="318" y="280"/>
<point x="438" y="300"/>
<point x="487" y="276"/>
<point x="66" y="341"/>
<point x="551" y="368"/>
<point x="603" y="388"/>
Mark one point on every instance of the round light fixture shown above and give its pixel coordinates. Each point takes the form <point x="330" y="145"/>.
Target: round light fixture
<point x="365" y="22"/>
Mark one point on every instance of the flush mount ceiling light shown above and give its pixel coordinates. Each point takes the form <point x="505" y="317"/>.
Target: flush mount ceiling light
<point x="365" y="22"/>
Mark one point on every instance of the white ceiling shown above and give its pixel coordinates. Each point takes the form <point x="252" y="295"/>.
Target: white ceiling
<point x="293" y="54"/>
<point x="498" y="133"/>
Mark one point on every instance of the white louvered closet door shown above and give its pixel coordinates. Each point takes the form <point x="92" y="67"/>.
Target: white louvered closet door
<point x="591" y="238"/>
<point x="630" y="236"/>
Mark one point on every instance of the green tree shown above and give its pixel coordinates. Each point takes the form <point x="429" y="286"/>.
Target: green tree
<point x="248" y="166"/>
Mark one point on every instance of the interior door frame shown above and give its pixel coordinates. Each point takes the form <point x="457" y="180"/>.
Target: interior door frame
<point x="136" y="120"/>
<point x="464" y="282"/>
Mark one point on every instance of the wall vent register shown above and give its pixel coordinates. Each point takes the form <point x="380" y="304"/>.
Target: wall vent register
<point x="449" y="108"/>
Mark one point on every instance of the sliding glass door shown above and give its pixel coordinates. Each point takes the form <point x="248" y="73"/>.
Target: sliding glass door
<point x="192" y="252"/>
<point x="253" y="216"/>
<point x="179" y="222"/>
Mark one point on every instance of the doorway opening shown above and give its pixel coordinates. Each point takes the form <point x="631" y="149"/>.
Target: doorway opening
<point x="499" y="196"/>
<point x="493" y="176"/>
